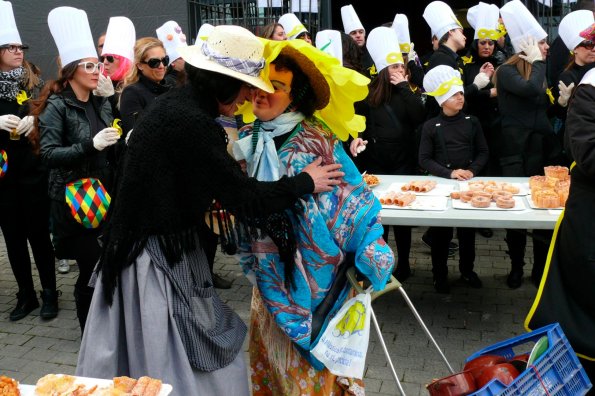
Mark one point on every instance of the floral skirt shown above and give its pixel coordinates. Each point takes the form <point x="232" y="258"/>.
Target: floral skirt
<point x="277" y="368"/>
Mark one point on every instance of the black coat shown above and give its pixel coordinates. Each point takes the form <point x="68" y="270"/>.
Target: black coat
<point x="25" y="180"/>
<point x="136" y="97"/>
<point x="449" y="143"/>
<point x="527" y="140"/>
<point x="567" y="296"/>
<point x="391" y="145"/>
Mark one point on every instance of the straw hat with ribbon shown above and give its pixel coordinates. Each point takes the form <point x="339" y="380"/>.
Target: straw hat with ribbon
<point x="232" y="51"/>
<point x="337" y="88"/>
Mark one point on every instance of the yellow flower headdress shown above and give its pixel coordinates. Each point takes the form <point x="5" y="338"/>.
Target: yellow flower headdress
<point x="346" y="87"/>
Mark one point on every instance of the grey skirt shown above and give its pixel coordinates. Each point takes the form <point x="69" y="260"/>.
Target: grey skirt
<point x="138" y="336"/>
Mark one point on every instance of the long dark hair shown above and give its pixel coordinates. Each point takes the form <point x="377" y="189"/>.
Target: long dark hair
<point x="51" y="87"/>
<point x="380" y="89"/>
<point x="352" y="54"/>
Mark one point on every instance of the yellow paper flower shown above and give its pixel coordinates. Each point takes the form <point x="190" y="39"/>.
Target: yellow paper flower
<point x="467" y="59"/>
<point x="22" y="97"/>
<point x="346" y="87"/>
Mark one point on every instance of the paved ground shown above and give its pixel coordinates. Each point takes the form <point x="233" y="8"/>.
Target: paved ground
<point x="462" y="322"/>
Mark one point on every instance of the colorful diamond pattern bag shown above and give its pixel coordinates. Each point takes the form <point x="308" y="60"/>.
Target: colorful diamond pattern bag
<point x="3" y="163"/>
<point x="88" y="201"/>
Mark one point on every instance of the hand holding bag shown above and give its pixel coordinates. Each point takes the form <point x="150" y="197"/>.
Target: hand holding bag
<point x="343" y="346"/>
<point x="88" y="201"/>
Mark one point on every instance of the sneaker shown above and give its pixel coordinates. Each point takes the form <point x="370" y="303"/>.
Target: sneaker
<point x="441" y="285"/>
<point x="26" y="302"/>
<point x="220" y="283"/>
<point x="472" y="279"/>
<point x="63" y="266"/>
<point x="453" y="246"/>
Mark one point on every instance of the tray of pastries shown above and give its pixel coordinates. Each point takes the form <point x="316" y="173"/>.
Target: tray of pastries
<point x="482" y="200"/>
<point x="492" y="186"/>
<point x="69" y="385"/>
<point x="423" y="187"/>
<point x="550" y="191"/>
<point x="397" y="199"/>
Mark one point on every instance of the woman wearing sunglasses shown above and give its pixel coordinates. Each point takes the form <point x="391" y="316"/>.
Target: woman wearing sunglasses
<point x="75" y="138"/>
<point x="23" y="178"/>
<point x="117" y="54"/>
<point x="145" y="81"/>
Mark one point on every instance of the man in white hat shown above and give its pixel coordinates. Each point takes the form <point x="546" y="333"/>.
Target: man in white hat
<point x="452" y="146"/>
<point x="353" y="27"/>
<point x="172" y="37"/>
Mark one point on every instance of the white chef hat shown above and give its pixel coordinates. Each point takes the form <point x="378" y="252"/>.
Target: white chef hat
<point x="442" y="82"/>
<point x="172" y="37"/>
<point x="440" y="18"/>
<point x="292" y="25"/>
<point x="572" y="25"/>
<point x="203" y="32"/>
<point x="8" y="26"/>
<point x="483" y="18"/>
<point x="383" y="47"/>
<point x="401" y="27"/>
<point x="329" y="41"/>
<point x="520" y="23"/>
<point x="350" y="19"/>
<point x="71" y="32"/>
<point x="120" y="38"/>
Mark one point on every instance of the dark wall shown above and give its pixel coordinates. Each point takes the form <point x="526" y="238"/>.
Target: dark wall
<point x="147" y="15"/>
<point x="385" y="11"/>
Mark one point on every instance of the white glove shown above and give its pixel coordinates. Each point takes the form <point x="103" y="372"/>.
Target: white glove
<point x="8" y="122"/>
<point x="481" y="80"/>
<point x="105" y="87"/>
<point x="565" y="92"/>
<point x="531" y="49"/>
<point x="26" y="125"/>
<point x="105" y="138"/>
<point x="412" y="54"/>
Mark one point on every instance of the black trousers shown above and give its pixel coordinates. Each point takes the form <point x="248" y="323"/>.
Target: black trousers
<point x="441" y="237"/>
<point x="517" y="241"/>
<point x="20" y="224"/>
<point x="403" y="241"/>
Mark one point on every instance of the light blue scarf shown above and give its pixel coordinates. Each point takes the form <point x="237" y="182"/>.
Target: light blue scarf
<point x="265" y="161"/>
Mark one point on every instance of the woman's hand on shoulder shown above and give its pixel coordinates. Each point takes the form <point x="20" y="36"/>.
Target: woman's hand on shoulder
<point x="325" y="177"/>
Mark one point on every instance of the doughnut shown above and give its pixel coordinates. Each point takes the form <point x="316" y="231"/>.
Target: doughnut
<point x="466" y="196"/>
<point x="476" y="186"/>
<point x="511" y="189"/>
<point x="485" y="194"/>
<point x="499" y="194"/>
<point x="479" y="201"/>
<point x="492" y="188"/>
<point x="455" y="195"/>
<point x="505" y="202"/>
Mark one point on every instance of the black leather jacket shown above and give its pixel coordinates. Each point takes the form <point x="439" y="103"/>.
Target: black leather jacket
<point x="66" y="141"/>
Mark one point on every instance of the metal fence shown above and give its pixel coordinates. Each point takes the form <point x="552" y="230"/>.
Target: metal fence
<point x="256" y="14"/>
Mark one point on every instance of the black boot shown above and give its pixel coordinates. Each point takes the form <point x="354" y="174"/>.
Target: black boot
<point x="49" y="307"/>
<point x="26" y="302"/>
<point x="515" y="278"/>
<point x="82" y="299"/>
<point x="402" y="272"/>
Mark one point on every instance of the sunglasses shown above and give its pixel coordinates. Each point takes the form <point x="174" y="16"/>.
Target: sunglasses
<point x="153" y="63"/>
<point x="14" y="48"/>
<point x="109" y="58"/>
<point x="486" y="42"/>
<point x="92" y="67"/>
<point x="587" y="44"/>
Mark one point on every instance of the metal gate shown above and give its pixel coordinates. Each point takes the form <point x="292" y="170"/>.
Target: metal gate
<point x="255" y="14"/>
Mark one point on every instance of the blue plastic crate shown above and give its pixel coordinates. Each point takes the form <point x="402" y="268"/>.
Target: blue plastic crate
<point x="560" y="371"/>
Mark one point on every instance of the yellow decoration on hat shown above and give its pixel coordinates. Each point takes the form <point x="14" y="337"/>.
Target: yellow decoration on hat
<point x="445" y="87"/>
<point x="394" y="57"/>
<point x="346" y="87"/>
<point x="502" y="29"/>
<point x="406" y="48"/>
<point x="454" y="18"/>
<point x="22" y="97"/>
<point x="295" y="30"/>
<point x="490" y="34"/>
<point x="372" y="70"/>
